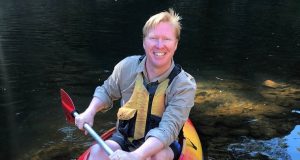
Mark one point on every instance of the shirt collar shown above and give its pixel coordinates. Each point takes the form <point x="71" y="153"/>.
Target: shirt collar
<point x="141" y="68"/>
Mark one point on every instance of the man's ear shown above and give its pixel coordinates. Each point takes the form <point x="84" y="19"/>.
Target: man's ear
<point x="176" y="45"/>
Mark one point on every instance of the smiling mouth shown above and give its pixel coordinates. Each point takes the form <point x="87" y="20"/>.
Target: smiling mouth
<point x="159" y="53"/>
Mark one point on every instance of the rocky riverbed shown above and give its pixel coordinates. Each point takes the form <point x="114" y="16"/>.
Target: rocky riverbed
<point x="230" y="111"/>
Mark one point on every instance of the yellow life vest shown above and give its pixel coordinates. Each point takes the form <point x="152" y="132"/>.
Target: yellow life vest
<point x="138" y="104"/>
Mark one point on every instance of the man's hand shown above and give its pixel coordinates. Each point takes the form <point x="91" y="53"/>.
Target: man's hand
<point x="83" y="118"/>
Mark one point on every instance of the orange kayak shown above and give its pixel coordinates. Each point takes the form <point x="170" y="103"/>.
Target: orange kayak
<point x="191" y="145"/>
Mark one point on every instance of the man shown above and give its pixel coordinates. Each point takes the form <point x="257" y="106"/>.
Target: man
<point x="156" y="97"/>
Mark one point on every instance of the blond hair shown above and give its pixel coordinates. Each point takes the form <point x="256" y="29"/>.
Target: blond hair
<point x="165" y="16"/>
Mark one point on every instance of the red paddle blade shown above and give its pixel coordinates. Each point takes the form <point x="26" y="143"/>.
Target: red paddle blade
<point x="67" y="105"/>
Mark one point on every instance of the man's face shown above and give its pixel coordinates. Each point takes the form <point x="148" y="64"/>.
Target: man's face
<point x="160" y="45"/>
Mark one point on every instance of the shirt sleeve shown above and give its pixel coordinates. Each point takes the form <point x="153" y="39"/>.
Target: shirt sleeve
<point x="116" y="85"/>
<point x="180" y="101"/>
<point x="110" y="89"/>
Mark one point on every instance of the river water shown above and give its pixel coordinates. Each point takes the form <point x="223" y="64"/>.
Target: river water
<point x="244" y="55"/>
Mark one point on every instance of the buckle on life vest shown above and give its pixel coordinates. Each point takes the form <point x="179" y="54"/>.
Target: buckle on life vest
<point x="125" y="113"/>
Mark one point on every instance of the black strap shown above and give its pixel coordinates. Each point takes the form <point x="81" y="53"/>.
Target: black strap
<point x="141" y="58"/>
<point x="175" y="71"/>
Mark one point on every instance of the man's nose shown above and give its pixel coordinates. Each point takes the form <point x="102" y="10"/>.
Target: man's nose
<point x="159" y="43"/>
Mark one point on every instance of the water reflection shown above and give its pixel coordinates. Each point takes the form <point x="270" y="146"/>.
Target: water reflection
<point x="293" y="141"/>
<point x="296" y="111"/>
<point x="286" y="148"/>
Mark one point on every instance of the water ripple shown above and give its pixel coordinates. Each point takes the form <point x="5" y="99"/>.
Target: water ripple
<point x="69" y="134"/>
<point x="286" y="148"/>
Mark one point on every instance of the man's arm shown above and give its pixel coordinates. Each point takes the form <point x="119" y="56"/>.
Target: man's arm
<point x="149" y="148"/>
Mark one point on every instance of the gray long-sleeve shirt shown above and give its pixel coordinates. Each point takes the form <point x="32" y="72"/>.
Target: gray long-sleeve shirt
<point x="179" y="99"/>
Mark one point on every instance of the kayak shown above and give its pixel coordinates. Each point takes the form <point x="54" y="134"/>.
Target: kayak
<point x="190" y="142"/>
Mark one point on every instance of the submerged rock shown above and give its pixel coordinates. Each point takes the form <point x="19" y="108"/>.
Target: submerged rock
<point x="273" y="84"/>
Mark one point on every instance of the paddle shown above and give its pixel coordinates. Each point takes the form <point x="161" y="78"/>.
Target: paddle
<point x="71" y="113"/>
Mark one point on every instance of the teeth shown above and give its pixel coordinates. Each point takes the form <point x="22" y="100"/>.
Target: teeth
<point x="159" y="53"/>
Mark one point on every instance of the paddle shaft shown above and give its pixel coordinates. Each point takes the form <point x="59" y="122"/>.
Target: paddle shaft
<point x="100" y="141"/>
